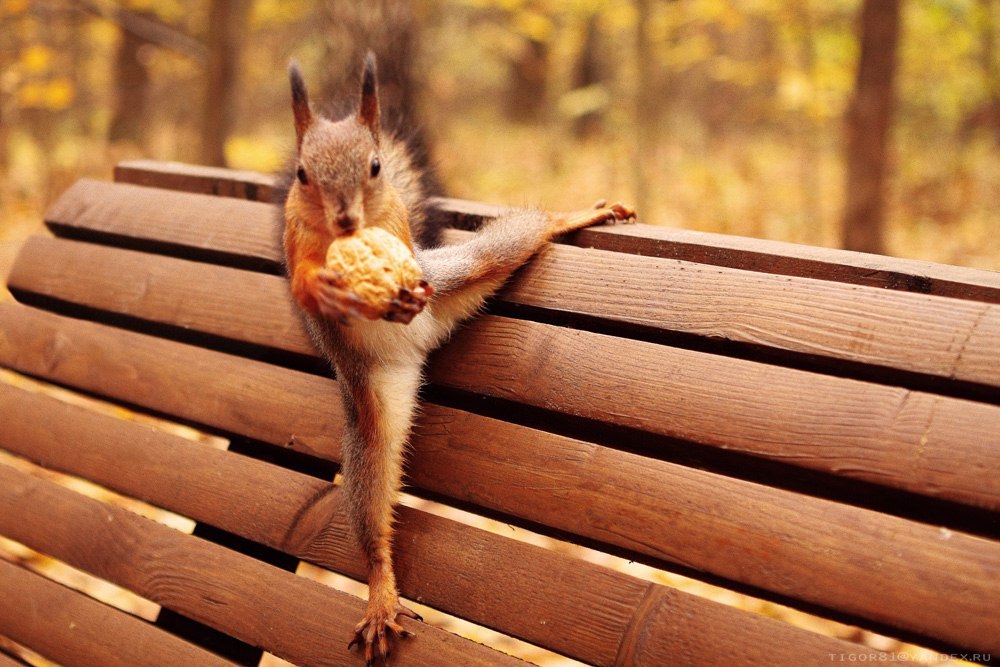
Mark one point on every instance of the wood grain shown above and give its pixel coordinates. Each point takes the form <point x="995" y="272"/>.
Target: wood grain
<point x="216" y="227"/>
<point x="70" y="628"/>
<point x="185" y="381"/>
<point x="777" y="257"/>
<point x="294" y="618"/>
<point x="822" y="320"/>
<point x="940" y="337"/>
<point x="249" y="185"/>
<point x="886" y="435"/>
<point x="586" y="612"/>
<point x="643" y="645"/>
<point x="751" y="254"/>
<point x="794" y="545"/>
<point x="240" y="305"/>
<point x="923" y="580"/>
<point x="832" y="554"/>
<point x="736" y="252"/>
<point x="915" y="333"/>
<point x="9" y="661"/>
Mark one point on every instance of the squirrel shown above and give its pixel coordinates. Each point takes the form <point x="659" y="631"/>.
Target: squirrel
<point x="349" y="174"/>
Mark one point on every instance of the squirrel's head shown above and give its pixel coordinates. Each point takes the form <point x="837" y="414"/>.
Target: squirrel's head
<point x="338" y="167"/>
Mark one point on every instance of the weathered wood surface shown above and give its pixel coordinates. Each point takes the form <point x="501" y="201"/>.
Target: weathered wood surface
<point x="586" y="612"/>
<point x="290" y="616"/>
<point x="240" y="305"/>
<point x="820" y="320"/>
<point x="914" y="333"/>
<point x="250" y="185"/>
<point x="765" y="256"/>
<point x="888" y="435"/>
<point x="218" y="228"/>
<point x="8" y="661"/>
<point x="204" y="386"/>
<point x="761" y="255"/>
<point x="70" y="628"/>
<point x="793" y="545"/>
<point x="819" y="313"/>
<point x="186" y="381"/>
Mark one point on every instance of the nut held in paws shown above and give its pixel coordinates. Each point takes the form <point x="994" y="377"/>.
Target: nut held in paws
<point x="376" y="265"/>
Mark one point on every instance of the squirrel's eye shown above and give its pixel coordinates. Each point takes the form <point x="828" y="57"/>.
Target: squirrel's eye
<point x="301" y="175"/>
<point x="376" y="167"/>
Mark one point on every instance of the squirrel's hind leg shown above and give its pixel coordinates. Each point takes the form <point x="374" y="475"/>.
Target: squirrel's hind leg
<point x="600" y="213"/>
<point x="380" y="401"/>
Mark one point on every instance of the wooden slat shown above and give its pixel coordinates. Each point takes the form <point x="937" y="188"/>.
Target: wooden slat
<point x="249" y="185"/>
<point x="290" y="616"/>
<point x="887" y="435"/>
<point x="911" y="332"/>
<point x="241" y="305"/>
<point x="8" y="661"/>
<point x="651" y="241"/>
<point x="777" y="257"/>
<point x="217" y="227"/>
<point x="831" y="554"/>
<point x="70" y="628"/>
<point x="586" y="612"/>
<point x="900" y="438"/>
<point x="775" y="540"/>
<point x="185" y="381"/>
<point x="942" y="338"/>
<point x="915" y="413"/>
<point x="255" y="308"/>
<point x="760" y="255"/>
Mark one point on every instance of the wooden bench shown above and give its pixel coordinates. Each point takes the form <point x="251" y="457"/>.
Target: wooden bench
<point x="810" y="427"/>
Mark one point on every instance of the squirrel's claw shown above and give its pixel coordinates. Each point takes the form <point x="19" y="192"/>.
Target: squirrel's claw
<point x="335" y="303"/>
<point x="622" y="213"/>
<point x="406" y="611"/>
<point x="372" y="632"/>
<point x="601" y="213"/>
<point x="408" y="303"/>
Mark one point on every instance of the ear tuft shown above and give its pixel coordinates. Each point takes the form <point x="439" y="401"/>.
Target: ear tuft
<point x="300" y="102"/>
<point x="368" y="113"/>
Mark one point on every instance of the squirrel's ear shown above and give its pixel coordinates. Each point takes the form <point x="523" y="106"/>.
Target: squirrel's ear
<point x="300" y="103"/>
<point x="368" y="114"/>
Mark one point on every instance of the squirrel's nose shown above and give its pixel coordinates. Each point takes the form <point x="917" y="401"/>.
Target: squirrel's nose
<point x="345" y="223"/>
<point x="342" y="216"/>
<point x="341" y="222"/>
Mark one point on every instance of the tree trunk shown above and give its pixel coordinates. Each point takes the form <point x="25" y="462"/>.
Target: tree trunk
<point x="225" y="27"/>
<point x="987" y="115"/>
<point x="132" y="83"/>
<point x="527" y="93"/>
<point x="392" y="31"/>
<point x="809" y="136"/>
<point x="868" y="121"/>
<point x="590" y="71"/>
<point x="645" y="108"/>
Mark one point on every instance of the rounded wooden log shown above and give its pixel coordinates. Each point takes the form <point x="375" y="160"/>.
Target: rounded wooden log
<point x="292" y="617"/>
<point x="70" y="628"/>
<point x="794" y="545"/>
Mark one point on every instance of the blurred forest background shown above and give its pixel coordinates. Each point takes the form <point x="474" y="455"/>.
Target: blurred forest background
<point x="869" y="124"/>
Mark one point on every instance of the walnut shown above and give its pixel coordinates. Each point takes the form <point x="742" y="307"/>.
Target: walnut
<point x="378" y="268"/>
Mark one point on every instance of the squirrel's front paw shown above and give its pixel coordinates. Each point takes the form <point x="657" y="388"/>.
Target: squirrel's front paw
<point x="372" y="631"/>
<point x="336" y="303"/>
<point x="408" y="303"/>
